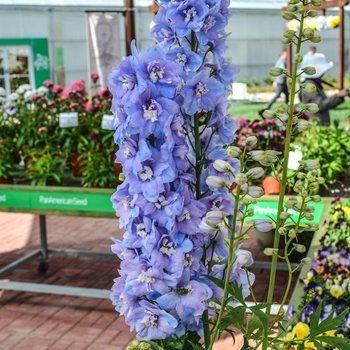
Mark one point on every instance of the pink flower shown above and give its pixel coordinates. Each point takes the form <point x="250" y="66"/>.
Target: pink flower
<point x="104" y="93"/>
<point x="64" y="94"/>
<point x="241" y="122"/>
<point x="94" y="77"/>
<point x="48" y="83"/>
<point x="42" y="130"/>
<point x="1" y="141"/>
<point x="78" y="86"/>
<point x="35" y="97"/>
<point x="88" y="107"/>
<point x="57" y="89"/>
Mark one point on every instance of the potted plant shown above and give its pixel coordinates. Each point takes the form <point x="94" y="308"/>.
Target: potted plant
<point x="330" y="145"/>
<point x="46" y="164"/>
<point x="6" y="165"/>
<point x="98" y="169"/>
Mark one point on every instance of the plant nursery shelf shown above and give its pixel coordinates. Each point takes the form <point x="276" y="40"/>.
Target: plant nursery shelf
<point x="65" y="201"/>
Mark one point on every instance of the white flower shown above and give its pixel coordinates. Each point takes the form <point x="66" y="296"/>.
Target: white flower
<point x="2" y="92"/>
<point x="42" y="91"/>
<point x="13" y="97"/>
<point x="23" y="88"/>
<point x="28" y="95"/>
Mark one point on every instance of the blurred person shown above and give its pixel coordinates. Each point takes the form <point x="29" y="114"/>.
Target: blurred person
<point x="280" y="82"/>
<point x="325" y="103"/>
<point x="310" y="52"/>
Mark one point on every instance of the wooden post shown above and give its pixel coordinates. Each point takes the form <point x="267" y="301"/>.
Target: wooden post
<point x="129" y="24"/>
<point x="341" y="48"/>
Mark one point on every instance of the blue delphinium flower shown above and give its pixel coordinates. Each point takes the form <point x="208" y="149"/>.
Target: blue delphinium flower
<point x="171" y="124"/>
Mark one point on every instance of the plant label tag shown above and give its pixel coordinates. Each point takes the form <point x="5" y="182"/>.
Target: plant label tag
<point x="294" y="157"/>
<point x="68" y="120"/>
<point x="106" y="122"/>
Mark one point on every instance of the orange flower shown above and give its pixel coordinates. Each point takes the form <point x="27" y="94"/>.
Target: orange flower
<point x="327" y="275"/>
<point x="319" y="269"/>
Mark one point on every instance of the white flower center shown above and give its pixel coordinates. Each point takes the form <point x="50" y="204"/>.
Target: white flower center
<point x="156" y="73"/>
<point x="161" y="202"/>
<point x="201" y="89"/>
<point x="150" y="111"/>
<point x="152" y="320"/>
<point x="186" y="216"/>
<point x="146" y="174"/>
<point x="167" y="247"/>
<point x="209" y="23"/>
<point x="181" y="59"/>
<point x="188" y="260"/>
<point x="141" y="230"/>
<point x="145" y="279"/>
<point x="126" y="83"/>
<point x="189" y="14"/>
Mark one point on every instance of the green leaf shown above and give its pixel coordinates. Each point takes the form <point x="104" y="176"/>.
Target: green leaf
<point x="253" y="323"/>
<point x="329" y="324"/>
<point x="335" y="342"/>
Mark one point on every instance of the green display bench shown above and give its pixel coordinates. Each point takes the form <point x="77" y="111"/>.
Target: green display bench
<point x="64" y="201"/>
<point x="91" y="202"/>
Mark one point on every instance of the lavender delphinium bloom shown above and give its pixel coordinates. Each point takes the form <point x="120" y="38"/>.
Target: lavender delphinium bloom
<point x="171" y="123"/>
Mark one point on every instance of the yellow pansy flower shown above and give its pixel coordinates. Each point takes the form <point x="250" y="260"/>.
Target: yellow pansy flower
<point x="301" y="330"/>
<point x="309" y="345"/>
<point x="336" y="291"/>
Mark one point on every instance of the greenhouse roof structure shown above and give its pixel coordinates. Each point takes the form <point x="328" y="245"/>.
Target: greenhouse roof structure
<point x="110" y="4"/>
<point x="268" y="4"/>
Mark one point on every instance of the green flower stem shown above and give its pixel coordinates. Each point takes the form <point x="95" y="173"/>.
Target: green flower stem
<point x="230" y="263"/>
<point x="284" y="178"/>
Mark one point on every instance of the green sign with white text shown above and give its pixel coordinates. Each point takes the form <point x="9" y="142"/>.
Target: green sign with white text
<point x="265" y="209"/>
<point x="60" y="200"/>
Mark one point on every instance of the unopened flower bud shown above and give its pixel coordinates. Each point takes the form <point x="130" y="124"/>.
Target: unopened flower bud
<point x="292" y="234"/>
<point x="316" y="198"/>
<point x="233" y="151"/>
<point x="306" y="261"/>
<point x="214" y="217"/>
<point x="299" y="248"/>
<point x="285" y="215"/>
<point x="301" y="176"/>
<point x="241" y="179"/>
<point x="255" y="173"/>
<point x="313" y="185"/>
<point x="276" y="72"/>
<point x="204" y="227"/>
<point x="289" y="15"/>
<point x="316" y="2"/>
<point x="263" y="225"/>
<point x="216" y="182"/>
<point x="294" y="2"/>
<point x="286" y="41"/>
<point x="244" y="257"/>
<point x="309" y="70"/>
<point x="251" y="141"/>
<point x="292" y="8"/>
<point x="321" y="180"/>
<point x="257" y="155"/>
<point x="309" y="209"/>
<point x="282" y="231"/>
<point x="301" y="9"/>
<point x="311" y="107"/>
<point x="282" y="108"/>
<point x="313" y="227"/>
<point x="289" y="34"/>
<point x="303" y="125"/>
<point x="309" y="216"/>
<point x="312" y="13"/>
<point x="250" y="212"/>
<point x="255" y="191"/>
<point x="222" y="166"/>
<point x="244" y="189"/>
<point x="308" y="33"/>
<point x="310" y="88"/>
<point x="270" y="251"/>
<point x="310" y="164"/>
<point x="270" y="115"/>
<point x="298" y="58"/>
<point x="316" y="39"/>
